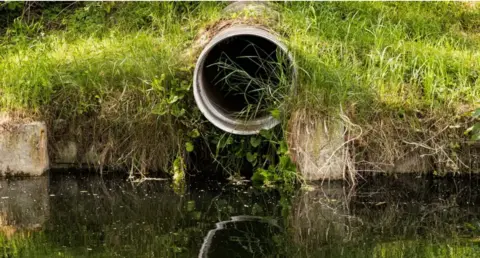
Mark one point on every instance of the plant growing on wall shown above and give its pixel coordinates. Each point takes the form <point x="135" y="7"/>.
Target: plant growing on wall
<point x="474" y="130"/>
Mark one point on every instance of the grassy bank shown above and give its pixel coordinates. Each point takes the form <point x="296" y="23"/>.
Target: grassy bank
<point x="116" y="77"/>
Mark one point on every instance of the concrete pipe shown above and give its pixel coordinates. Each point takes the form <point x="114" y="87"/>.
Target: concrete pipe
<point x="238" y="77"/>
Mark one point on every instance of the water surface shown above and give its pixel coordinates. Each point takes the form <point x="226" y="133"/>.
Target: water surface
<point x="89" y="216"/>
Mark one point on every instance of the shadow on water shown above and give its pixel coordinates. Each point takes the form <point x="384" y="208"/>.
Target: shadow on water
<point x="87" y="216"/>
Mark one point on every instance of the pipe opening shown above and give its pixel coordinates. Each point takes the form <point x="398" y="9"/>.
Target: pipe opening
<point x="242" y="79"/>
<point x="243" y="76"/>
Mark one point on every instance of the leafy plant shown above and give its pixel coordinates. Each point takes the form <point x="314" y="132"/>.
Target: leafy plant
<point x="474" y="130"/>
<point x="265" y="154"/>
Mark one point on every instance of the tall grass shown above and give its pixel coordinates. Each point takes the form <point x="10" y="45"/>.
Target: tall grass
<point x="413" y="55"/>
<point x="116" y="72"/>
<point x="262" y="91"/>
<point x="407" y="74"/>
<point x="118" y="87"/>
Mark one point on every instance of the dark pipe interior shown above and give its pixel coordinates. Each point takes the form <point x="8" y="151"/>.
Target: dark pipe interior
<point x="242" y="53"/>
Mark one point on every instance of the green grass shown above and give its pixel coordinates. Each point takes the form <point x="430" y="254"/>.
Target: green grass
<point x="119" y="71"/>
<point x="261" y="92"/>
<point x="124" y="87"/>
<point x="410" y="55"/>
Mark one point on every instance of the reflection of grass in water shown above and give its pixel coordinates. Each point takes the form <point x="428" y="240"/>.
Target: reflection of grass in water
<point x="380" y="219"/>
<point x="397" y="249"/>
<point x="35" y="244"/>
<point x="165" y="226"/>
<point x="262" y="90"/>
<point x="114" y="219"/>
<point x="425" y="249"/>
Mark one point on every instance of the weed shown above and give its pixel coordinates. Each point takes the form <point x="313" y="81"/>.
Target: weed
<point x="474" y="130"/>
<point x="260" y="82"/>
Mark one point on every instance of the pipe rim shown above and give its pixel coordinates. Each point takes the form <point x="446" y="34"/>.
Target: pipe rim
<point x="219" y="118"/>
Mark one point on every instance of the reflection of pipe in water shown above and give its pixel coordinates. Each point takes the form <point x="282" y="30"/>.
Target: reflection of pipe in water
<point x="24" y="204"/>
<point x="249" y="235"/>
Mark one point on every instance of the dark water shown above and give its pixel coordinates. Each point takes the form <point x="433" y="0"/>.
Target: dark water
<point x="74" y="216"/>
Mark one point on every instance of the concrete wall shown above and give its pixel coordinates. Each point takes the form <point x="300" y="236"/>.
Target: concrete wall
<point x="318" y="147"/>
<point x="23" y="147"/>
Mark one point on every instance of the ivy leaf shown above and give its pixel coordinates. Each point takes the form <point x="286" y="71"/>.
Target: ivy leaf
<point x="258" y="177"/>
<point x="474" y="131"/>
<point x="229" y="140"/>
<point x="177" y="112"/>
<point x="173" y="99"/>
<point x="194" y="133"/>
<point x="252" y="158"/>
<point x="255" y="141"/>
<point x="185" y="85"/>
<point x="283" y="149"/>
<point x="160" y="109"/>
<point x="267" y="134"/>
<point x="476" y="137"/>
<point x="275" y="114"/>
<point x="476" y="114"/>
<point x="189" y="146"/>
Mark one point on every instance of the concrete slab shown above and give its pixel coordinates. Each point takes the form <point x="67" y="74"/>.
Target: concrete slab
<point x="318" y="148"/>
<point x="23" y="148"/>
